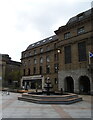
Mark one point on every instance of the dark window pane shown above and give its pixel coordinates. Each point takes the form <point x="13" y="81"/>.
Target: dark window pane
<point x="34" y="70"/>
<point x="56" y="57"/>
<point x="28" y="71"/>
<point x="67" y="35"/>
<point x="56" y="81"/>
<point x="48" y="69"/>
<point x="55" y="46"/>
<point x="24" y="72"/>
<point x="82" y="51"/>
<point x="56" y="67"/>
<point x="80" y="30"/>
<point x="67" y="54"/>
<point x="41" y="70"/>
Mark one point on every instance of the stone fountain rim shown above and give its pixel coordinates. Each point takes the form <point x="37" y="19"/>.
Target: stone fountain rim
<point x="64" y="95"/>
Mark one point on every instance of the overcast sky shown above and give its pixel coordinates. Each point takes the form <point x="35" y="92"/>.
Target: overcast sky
<point x="23" y="22"/>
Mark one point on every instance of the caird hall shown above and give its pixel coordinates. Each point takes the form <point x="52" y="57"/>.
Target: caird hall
<point x="66" y="57"/>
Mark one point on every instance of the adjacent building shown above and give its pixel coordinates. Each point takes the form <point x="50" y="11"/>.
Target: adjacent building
<point x="63" y="58"/>
<point x="10" y="71"/>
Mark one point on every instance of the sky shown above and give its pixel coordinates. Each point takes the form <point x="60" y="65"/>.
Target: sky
<point x="23" y="22"/>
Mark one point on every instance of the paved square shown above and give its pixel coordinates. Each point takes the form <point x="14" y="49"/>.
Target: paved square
<point x="13" y="108"/>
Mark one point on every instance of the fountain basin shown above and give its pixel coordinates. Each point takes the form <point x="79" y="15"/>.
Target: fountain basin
<point x="51" y="99"/>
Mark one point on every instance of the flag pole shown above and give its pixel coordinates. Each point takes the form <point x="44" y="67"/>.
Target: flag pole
<point x="89" y="59"/>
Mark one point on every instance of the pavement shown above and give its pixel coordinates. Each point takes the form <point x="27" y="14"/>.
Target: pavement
<point x="11" y="107"/>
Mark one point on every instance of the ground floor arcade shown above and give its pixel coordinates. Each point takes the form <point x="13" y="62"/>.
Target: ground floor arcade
<point x="78" y="81"/>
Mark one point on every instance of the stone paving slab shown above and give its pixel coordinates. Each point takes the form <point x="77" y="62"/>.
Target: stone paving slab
<point x="13" y="108"/>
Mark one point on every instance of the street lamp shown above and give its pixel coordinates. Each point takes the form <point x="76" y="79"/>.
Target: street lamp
<point x="59" y="51"/>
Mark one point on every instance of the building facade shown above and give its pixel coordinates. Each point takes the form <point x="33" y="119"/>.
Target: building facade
<point x="75" y="42"/>
<point x="64" y="58"/>
<point x="39" y="62"/>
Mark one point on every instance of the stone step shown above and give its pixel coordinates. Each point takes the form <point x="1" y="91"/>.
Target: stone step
<point x="50" y="97"/>
<point x="51" y="101"/>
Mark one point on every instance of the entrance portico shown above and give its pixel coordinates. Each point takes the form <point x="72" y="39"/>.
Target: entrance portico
<point x="32" y="82"/>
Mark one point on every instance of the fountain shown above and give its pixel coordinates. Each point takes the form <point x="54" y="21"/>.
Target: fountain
<point x="47" y="86"/>
<point x="50" y="97"/>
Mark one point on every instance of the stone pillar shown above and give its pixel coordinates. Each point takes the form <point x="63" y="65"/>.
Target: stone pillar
<point x="91" y="86"/>
<point x="61" y="80"/>
<point x="21" y="85"/>
<point x="76" y="86"/>
<point x="43" y="82"/>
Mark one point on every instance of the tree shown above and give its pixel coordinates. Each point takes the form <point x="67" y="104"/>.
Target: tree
<point x="14" y="76"/>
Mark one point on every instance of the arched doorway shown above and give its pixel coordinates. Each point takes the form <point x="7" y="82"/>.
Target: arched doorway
<point x="69" y="84"/>
<point x="84" y="85"/>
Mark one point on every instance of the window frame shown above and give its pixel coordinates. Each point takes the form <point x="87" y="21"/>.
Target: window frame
<point x="34" y="70"/>
<point x="35" y="52"/>
<point x="40" y="69"/>
<point x="82" y="55"/>
<point x="68" y="57"/>
<point x="41" y="60"/>
<point x="67" y="35"/>
<point x="35" y="61"/>
<point x="41" y="50"/>
<point x="47" y="69"/>
<point x="81" y="30"/>
<point x="48" y="59"/>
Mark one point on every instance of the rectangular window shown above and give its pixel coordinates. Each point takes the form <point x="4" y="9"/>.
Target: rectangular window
<point x="34" y="52"/>
<point x="55" y="45"/>
<point x="24" y="72"/>
<point x="80" y="30"/>
<point x="41" y="50"/>
<point x="48" y="69"/>
<point x="35" y="61"/>
<point x="56" y="67"/>
<point x="68" y="54"/>
<point x="67" y="35"/>
<point x="47" y="59"/>
<point x="24" y="63"/>
<point x="56" y="57"/>
<point x="47" y="48"/>
<point x="34" y="70"/>
<point x="41" y="70"/>
<point x="80" y="16"/>
<point x="41" y="60"/>
<point x="30" y="53"/>
<point x="82" y="51"/>
<point x="25" y="55"/>
<point x="28" y="71"/>
<point x="29" y="62"/>
<point x="56" y="81"/>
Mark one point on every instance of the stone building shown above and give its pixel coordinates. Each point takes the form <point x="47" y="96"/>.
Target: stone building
<point x="39" y="62"/>
<point x="10" y="70"/>
<point x="64" y="57"/>
<point x="75" y="42"/>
